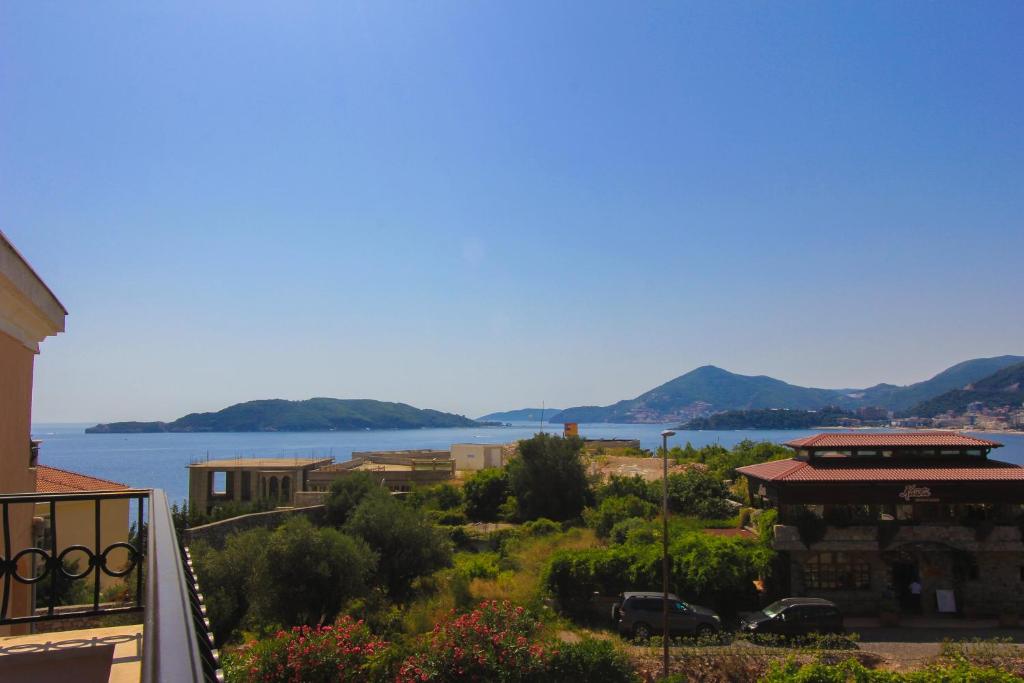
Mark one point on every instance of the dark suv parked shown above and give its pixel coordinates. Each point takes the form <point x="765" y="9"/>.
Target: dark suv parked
<point x="639" y="615"/>
<point x="795" y="617"/>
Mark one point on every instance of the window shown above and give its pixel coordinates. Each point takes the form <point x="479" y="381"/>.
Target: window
<point x="219" y="484"/>
<point x="837" y="571"/>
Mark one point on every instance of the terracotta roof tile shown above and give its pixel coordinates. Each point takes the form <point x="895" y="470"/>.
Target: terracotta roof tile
<point x="891" y="440"/>
<point x="55" y="480"/>
<point x="801" y="471"/>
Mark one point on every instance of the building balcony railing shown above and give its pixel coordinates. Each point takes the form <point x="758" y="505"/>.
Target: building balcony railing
<point x="156" y="572"/>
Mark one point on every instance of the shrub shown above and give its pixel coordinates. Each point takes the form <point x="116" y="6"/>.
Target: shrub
<point x="631" y="530"/>
<point x="485" y="491"/>
<point x="308" y="655"/>
<point x="590" y="660"/>
<point x="549" y="478"/>
<point x="702" y="566"/>
<point x="306" y="574"/>
<point x="616" y="509"/>
<point x="852" y="670"/>
<point x="494" y="642"/>
<point x="477" y="565"/>
<point x="766" y="525"/>
<point x="446" y="517"/>
<point x="618" y="485"/>
<point x="541" y="527"/>
<point x="744" y="518"/>
<point x="437" y="497"/>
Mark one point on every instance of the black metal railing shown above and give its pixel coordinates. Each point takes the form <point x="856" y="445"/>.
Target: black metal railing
<point x="177" y="643"/>
<point x="50" y="564"/>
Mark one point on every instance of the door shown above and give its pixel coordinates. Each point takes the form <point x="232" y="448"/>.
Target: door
<point x="792" y="622"/>
<point x="681" y="618"/>
<point x="904" y="574"/>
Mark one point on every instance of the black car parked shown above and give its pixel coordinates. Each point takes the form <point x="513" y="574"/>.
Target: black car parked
<point x="639" y="615"/>
<point x="795" y="617"/>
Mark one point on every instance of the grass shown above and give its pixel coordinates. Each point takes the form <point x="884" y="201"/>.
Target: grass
<point x="513" y="573"/>
<point x="522" y="562"/>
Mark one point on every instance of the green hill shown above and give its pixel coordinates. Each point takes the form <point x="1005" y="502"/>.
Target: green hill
<point x="1002" y="388"/>
<point x="315" y="414"/>
<point x="956" y="377"/>
<point x="710" y="389"/>
<point x="720" y="389"/>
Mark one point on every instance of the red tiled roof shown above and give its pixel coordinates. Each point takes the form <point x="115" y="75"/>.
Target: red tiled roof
<point x="802" y="471"/>
<point x="891" y="440"/>
<point x="54" y="480"/>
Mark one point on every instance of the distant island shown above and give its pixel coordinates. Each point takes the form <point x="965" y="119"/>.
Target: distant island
<point x="313" y="415"/>
<point x="523" y="415"/>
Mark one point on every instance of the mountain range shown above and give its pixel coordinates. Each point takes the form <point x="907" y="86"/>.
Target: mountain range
<point x="709" y="389"/>
<point x="1002" y="388"/>
<point x="315" y="414"/>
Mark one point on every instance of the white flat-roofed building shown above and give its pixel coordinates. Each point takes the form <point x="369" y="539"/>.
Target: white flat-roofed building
<point x="478" y="456"/>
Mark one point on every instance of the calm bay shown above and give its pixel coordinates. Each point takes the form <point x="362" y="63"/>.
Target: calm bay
<point x="160" y="460"/>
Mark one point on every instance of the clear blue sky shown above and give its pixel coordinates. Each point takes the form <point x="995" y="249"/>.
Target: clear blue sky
<point x="480" y="205"/>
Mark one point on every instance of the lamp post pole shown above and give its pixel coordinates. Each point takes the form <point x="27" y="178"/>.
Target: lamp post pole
<point x="664" y="550"/>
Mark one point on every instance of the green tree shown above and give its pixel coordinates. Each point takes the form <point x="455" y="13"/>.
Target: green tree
<point x="696" y="493"/>
<point x="485" y="491"/>
<point x="408" y="545"/>
<point x="348" y="492"/>
<point x="618" y="485"/>
<point x="616" y="509"/>
<point x="307" y="573"/>
<point x="439" y="497"/>
<point x="549" y="478"/>
<point x="226" y="578"/>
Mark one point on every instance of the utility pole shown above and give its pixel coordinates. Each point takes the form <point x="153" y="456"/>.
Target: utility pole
<point x="664" y="551"/>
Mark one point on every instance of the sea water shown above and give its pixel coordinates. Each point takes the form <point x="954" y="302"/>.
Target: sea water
<point x="161" y="460"/>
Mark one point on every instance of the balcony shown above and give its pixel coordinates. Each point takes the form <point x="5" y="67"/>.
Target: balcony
<point x="159" y="589"/>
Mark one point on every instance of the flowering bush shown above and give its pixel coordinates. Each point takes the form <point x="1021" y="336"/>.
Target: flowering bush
<point x="494" y="642"/>
<point x="309" y="655"/>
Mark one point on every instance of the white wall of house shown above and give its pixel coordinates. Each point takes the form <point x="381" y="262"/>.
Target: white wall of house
<point x="477" y="456"/>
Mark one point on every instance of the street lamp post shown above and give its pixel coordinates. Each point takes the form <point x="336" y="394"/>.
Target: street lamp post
<point x="664" y="550"/>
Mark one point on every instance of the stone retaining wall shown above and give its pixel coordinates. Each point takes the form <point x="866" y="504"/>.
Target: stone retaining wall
<point x="216" y="533"/>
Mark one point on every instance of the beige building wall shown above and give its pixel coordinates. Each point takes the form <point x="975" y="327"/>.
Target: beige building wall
<point x="16" y="362"/>
<point x="29" y="312"/>
<point x="477" y="456"/>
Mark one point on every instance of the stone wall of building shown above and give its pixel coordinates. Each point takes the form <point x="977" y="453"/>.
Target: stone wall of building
<point x="984" y="570"/>
<point x="999" y="586"/>
<point x="216" y="533"/>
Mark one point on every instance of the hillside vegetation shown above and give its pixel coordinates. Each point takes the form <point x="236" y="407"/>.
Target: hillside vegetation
<point x="1003" y="388"/>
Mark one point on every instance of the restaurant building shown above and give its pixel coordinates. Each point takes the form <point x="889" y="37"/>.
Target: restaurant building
<point x="915" y="521"/>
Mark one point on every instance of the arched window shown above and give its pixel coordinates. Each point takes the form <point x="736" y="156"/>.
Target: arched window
<point x="286" y="485"/>
<point x="273" y="487"/>
<point x="837" y="571"/>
